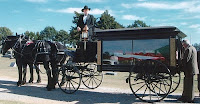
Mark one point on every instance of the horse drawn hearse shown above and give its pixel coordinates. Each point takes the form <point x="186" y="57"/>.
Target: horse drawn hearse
<point x="152" y="56"/>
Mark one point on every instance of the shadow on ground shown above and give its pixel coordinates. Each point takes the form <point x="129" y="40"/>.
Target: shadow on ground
<point x="83" y="97"/>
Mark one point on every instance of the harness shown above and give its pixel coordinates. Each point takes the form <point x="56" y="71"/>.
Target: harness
<point x="18" y="44"/>
<point x="41" y="48"/>
<point x="59" y="52"/>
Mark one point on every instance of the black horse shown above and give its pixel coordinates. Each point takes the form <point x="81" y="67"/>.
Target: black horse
<point x="49" y="54"/>
<point x="16" y="43"/>
<point x="36" y="52"/>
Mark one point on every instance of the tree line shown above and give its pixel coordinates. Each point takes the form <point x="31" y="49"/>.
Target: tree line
<point x="105" y="21"/>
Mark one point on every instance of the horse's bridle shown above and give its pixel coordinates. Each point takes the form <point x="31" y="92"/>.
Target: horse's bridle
<point x="18" y="42"/>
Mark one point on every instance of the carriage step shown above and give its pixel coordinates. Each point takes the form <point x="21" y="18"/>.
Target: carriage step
<point x="60" y="53"/>
<point x="59" y="65"/>
<point x="127" y="80"/>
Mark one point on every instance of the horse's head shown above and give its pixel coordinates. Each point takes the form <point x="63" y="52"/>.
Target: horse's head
<point x="8" y="42"/>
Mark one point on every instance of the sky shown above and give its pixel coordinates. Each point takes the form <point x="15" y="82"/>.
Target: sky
<point x="35" y="15"/>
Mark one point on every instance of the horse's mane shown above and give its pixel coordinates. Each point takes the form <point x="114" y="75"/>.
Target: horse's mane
<point x="11" y="37"/>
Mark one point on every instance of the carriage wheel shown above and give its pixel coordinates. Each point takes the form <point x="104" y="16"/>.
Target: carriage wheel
<point x="69" y="79"/>
<point x="91" y="78"/>
<point x="150" y="80"/>
<point x="176" y="79"/>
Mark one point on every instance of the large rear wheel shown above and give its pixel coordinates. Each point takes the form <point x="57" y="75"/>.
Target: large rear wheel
<point x="176" y="79"/>
<point x="150" y="80"/>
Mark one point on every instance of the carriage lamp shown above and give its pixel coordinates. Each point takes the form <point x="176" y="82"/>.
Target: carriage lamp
<point x="84" y="36"/>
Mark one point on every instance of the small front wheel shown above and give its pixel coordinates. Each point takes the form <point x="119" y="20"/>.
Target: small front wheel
<point x="91" y="78"/>
<point x="69" y="79"/>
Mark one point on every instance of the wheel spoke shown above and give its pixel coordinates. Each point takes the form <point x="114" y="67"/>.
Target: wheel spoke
<point x="155" y="91"/>
<point x="66" y="85"/>
<point x="165" y="88"/>
<point x="150" y="93"/>
<point x="154" y="86"/>
<point x="140" y="88"/>
<point x="91" y="77"/>
<point x="159" y="88"/>
<point x="164" y="83"/>
<point x="144" y="92"/>
<point x="69" y="87"/>
<point x="137" y="83"/>
<point x="97" y="79"/>
<point x="156" y="77"/>
<point x="96" y="72"/>
<point x="72" y="85"/>
<point x="89" y="81"/>
<point x="69" y="79"/>
<point x="74" y="81"/>
<point x="86" y="79"/>
<point x="85" y="73"/>
<point x="73" y="73"/>
<point x="92" y="82"/>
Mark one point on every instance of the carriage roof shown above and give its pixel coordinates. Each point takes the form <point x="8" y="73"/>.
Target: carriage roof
<point x="139" y="33"/>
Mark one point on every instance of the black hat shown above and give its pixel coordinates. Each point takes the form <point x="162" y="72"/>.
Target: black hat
<point x="85" y="7"/>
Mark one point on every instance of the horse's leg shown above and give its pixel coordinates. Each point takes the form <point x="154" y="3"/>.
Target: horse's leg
<point x="24" y="73"/>
<point x="63" y="71"/>
<point x="48" y="71"/>
<point x="19" y="65"/>
<point x="31" y="73"/>
<point x="38" y="73"/>
<point x="54" y="73"/>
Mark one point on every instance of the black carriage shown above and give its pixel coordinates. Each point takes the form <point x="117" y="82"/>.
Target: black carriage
<point x="80" y="67"/>
<point x="152" y="56"/>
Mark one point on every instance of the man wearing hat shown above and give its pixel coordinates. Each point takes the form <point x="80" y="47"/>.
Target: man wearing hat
<point x="86" y="22"/>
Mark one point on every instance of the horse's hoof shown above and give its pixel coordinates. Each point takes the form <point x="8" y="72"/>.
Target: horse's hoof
<point x="19" y="84"/>
<point x="23" y="83"/>
<point x="30" y="81"/>
<point x="48" y="89"/>
<point x="38" y="81"/>
<point x="54" y="87"/>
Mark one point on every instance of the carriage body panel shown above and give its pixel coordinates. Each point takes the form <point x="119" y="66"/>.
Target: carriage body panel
<point x="121" y="49"/>
<point x="85" y="52"/>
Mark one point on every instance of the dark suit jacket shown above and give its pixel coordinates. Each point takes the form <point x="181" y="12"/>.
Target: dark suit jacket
<point x="190" y="61"/>
<point x="198" y="58"/>
<point x="89" y="23"/>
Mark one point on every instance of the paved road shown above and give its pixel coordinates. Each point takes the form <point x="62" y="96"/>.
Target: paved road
<point x="37" y="94"/>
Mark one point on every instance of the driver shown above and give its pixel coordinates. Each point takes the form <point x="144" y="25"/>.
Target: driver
<point x="86" y="22"/>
